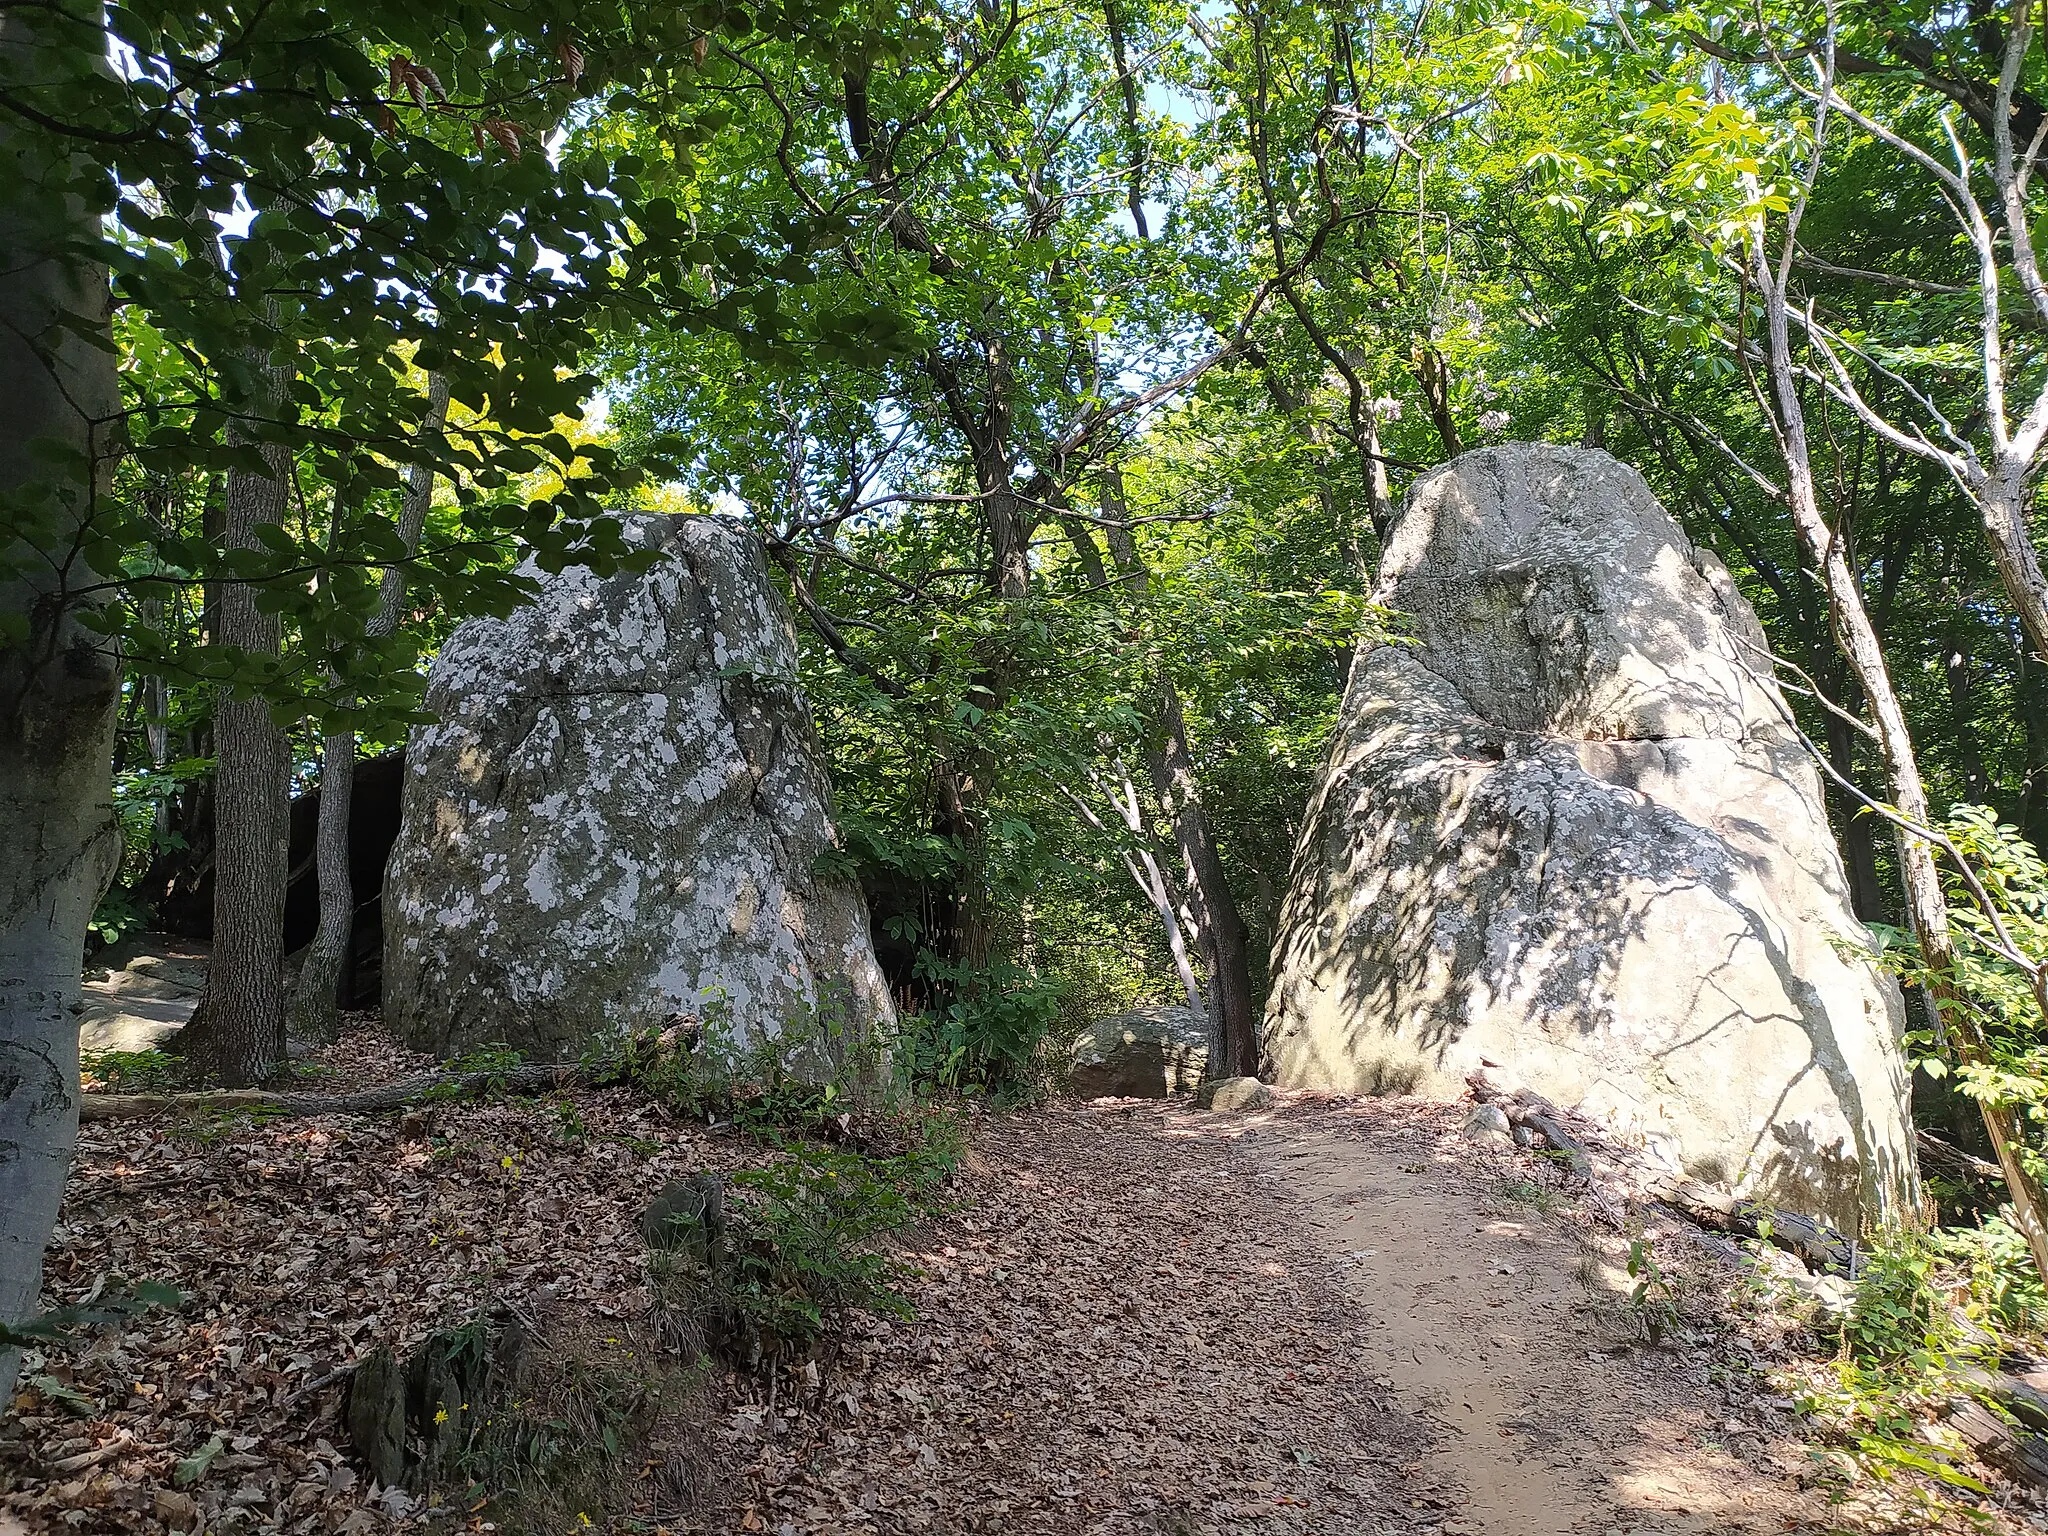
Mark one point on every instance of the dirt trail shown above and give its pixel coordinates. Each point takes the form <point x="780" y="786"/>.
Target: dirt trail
<point x="1318" y="1320"/>
<point x="1508" y="1330"/>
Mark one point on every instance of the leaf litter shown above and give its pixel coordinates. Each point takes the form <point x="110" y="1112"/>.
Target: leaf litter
<point x="1133" y="1318"/>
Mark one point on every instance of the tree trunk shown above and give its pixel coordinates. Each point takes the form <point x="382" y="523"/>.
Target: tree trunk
<point x="314" y="1013"/>
<point x="1926" y="904"/>
<point x="59" y="677"/>
<point x="2003" y="504"/>
<point x="2030" y="689"/>
<point x="1433" y="377"/>
<point x="1232" y="1009"/>
<point x="1859" y="852"/>
<point x="315" y="1000"/>
<point x="237" y="1030"/>
<point x="1233" y="1017"/>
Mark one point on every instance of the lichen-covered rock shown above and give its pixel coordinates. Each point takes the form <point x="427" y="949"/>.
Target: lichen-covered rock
<point x="1567" y="830"/>
<point x="617" y="820"/>
<point x="1148" y="1053"/>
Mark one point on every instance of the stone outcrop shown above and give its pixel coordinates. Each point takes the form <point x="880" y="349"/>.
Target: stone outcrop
<point x="619" y="820"/>
<point x="1148" y="1053"/>
<point x="1564" y="828"/>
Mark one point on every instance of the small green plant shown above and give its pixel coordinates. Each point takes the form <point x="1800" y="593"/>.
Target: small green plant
<point x="1996" y="1268"/>
<point x="112" y="1303"/>
<point x="495" y="1060"/>
<point x="987" y="1037"/>
<point x="801" y="1244"/>
<point x="819" y="1073"/>
<point x="129" y="1071"/>
<point x="569" y="1123"/>
<point x="138" y="797"/>
<point x="1528" y="1192"/>
<point x="538" y="1420"/>
<point x="1901" y="1355"/>
<point x="208" y="1126"/>
<point x="1655" y="1298"/>
<point x="802" y="1251"/>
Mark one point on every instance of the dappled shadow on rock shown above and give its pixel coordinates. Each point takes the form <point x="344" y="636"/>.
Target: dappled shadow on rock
<point x="1567" y="831"/>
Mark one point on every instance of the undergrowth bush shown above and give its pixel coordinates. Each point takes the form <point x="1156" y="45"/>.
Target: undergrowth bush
<point x="860" y="1148"/>
<point x="578" y="1412"/>
<point x="988" y="1036"/>
<point x="1912" y="1341"/>
<point x="129" y="1071"/>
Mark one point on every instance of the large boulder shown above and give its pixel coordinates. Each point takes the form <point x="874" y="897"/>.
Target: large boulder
<point x="619" y="821"/>
<point x="1151" y="1052"/>
<point x="1567" y="831"/>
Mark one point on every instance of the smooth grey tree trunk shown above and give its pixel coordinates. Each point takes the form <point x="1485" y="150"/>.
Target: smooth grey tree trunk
<point x="315" y="1001"/>
<point x="59" y="677"/>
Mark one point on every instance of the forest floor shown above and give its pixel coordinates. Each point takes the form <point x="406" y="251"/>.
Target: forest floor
<point x="1332" y="1316"/>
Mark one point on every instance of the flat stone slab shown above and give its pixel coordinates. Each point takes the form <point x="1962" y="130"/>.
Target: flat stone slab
<point x="141" y="992"/>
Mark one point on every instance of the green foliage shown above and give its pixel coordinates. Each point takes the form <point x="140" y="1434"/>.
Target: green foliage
<point x="113" y="1301"/>
<point x="987" y="1036"/>
<point x="141" y="807"/>
<point x="495" y="1061"/>
<point x="1994" y="1262"/>
<point x="1999" y="914"/>
<point x="1656" y="1299"/>
<point x="1902" y="1356"/>
<point x="550" y="1424"/>
<point x="131" y="1071"/>
<point x="802" y="1251"/>
<point x="215" y="1124"/>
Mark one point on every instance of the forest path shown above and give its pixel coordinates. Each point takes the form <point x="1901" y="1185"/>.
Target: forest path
<point x="1507" y="1327"/>
<point x="1328" y="1318"/>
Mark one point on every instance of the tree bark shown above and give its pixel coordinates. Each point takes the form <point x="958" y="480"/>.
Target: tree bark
<point x="237" y="1030"/>
<point x="1233" y="1016"/>
<point x="59" y="676"/>
<point x="1232" y="1007"/>
<point x="2030" y="689"/>
<point x="1926" y="903"/>
<point x="314" y="1012"/>
<point x="1859" y="852"/>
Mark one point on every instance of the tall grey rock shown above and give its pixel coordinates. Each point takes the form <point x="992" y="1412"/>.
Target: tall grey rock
<point x="1566" y="830"/>
<point x="619" y="815"/>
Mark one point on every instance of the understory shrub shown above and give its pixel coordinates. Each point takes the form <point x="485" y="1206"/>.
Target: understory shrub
<point x="1929" y="1318"/>
<point x="787" y="1251"/>
<point x="987" y="1037"/>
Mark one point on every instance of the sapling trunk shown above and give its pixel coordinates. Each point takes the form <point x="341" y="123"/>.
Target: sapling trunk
<point x="315" y="1001"/>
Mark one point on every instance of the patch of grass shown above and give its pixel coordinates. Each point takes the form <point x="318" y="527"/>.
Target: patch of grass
<point x="208" y="1126"/>
<point x="494" y="1059"/>
<point x="802" y="1243"/>
<point x="1527" y="1192"/>
<point x="581" y="1417"/>
<point x="130" y="1071"/>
